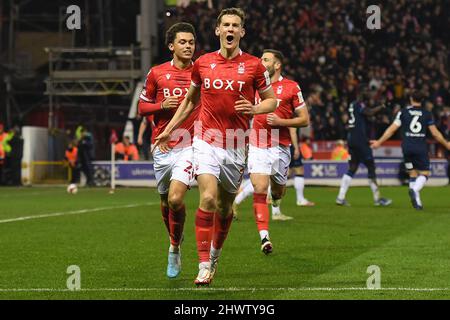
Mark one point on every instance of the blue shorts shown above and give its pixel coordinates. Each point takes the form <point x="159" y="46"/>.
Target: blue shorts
<point x="295" y="163"/>
<point x="360" y="153"/>
<point x="416" y="160"/>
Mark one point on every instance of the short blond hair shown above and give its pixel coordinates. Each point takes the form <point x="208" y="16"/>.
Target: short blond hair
<point x="231" y="11"/>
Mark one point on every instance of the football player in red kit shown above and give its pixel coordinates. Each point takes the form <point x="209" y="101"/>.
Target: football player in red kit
<point x="225" y="82"/>
<point x="164" y="89"/>
<point x="269" y="154"/>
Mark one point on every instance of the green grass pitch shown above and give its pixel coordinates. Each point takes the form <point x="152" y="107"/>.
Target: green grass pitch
<point x="120" y="244"/>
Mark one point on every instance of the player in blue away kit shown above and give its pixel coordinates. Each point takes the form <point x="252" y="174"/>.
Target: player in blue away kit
<point x="360" y="152"/>
<point x="414" y="122"/>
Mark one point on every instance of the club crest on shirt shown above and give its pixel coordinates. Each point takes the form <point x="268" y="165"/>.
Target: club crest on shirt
<point x="241" y="68"/>
<point x="213" y="65"/>
<point x="279" y="89"/>
<point x="168" y="76"/>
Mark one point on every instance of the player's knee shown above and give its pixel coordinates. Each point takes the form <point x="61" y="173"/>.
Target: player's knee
<point x="208" y="202"/>
<point x="261" y="188"/>
<point x="175" y="201"/>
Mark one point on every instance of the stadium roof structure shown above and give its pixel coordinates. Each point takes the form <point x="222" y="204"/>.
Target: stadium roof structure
<point x="92" y="71"/>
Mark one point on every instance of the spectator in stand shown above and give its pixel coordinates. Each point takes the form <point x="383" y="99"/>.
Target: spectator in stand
<point x="126" y="150"/>
<point x="330" y="51"/>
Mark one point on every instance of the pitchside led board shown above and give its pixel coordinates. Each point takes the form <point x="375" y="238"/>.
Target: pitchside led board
<point x="328" y="173"/>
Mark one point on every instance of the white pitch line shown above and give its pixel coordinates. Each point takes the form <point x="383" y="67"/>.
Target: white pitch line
<point x="219" y="289"/>
<point x="66" y="213"/>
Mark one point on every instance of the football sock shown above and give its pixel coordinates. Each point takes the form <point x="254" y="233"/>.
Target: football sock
<point x="176" y="222"/>
<point x="215" y="252"/>
<point x="276" y="206"/>
<point x="276" y="210"/>
<point x="204" y="224"/>
<point x="345" y="184"/>
<point x="247" y="190"/>
<point x="376" y="192"/>
<point x="299" y="184"/>
<point x="412" y="181"/>
<point x="165" y="216"/>
<point x="221" y="227"/>
<point x="420" y="183"/>
<point x="264" y="234"/>
<point x="261" y="212"/>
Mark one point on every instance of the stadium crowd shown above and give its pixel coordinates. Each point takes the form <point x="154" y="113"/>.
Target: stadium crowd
<point x="332" y="54"/>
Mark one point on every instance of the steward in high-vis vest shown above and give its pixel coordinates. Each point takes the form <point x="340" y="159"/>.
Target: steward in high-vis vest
<point x="126" y="150"/>
<point x="4" y="148"/>
<point x="71" y="156"/>
<point x="339" y="152"/>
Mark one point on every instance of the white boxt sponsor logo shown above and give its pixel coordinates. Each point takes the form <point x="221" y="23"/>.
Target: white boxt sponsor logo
<point x="177" y="92"/>
<point x="218" y="84"/>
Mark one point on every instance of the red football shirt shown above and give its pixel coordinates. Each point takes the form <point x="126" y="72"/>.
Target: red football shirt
<point x="289" y="97"/>
<point x="222" y="81"/>
<point x="164" y="81"/>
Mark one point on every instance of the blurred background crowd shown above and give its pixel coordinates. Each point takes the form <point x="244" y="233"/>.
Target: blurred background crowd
<point x="332" y="54"/>
<point x="329" y="51"/>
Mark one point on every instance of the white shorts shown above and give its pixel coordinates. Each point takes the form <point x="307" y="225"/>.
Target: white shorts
<point x="177" y="164"/>
<point x="273" y="161"/>
<point x="227" y="165"/>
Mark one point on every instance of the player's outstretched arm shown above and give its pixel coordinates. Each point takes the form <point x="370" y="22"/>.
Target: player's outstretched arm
<point x="438" y="136"/>
<point x="184" y="110"/>
<point x="301" y="120"/>
<point x="386" y="135"/>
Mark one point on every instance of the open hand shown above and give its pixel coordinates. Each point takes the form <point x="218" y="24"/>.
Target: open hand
<point x="162" y="141"/>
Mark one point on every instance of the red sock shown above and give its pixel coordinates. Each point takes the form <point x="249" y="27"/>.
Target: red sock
<point x="221" y="227"/>
<point x="261" y="211"/>
<point x="176" y="222"/>
<point x="204" y="225"/>
<point x="165" y="216"/>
